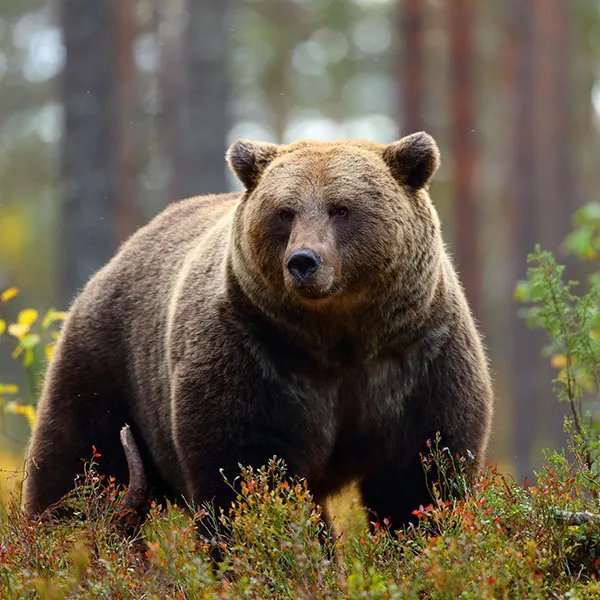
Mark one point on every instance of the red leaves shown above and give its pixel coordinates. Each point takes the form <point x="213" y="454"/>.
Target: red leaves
<point x="421" y="512"/>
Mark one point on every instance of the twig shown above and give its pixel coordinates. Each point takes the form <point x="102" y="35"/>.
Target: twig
<point x="576" y="518"/>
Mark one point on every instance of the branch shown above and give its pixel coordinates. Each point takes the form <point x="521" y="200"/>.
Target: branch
<point x="576" y="518"/>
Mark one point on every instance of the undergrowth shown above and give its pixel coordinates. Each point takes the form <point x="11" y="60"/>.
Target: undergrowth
<point x="496" y="538"/>
<point x="502" y="540"/>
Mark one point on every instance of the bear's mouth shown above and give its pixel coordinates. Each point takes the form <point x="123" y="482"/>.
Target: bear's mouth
<point x="308" y="292"/>
<point x="316" y="287"/>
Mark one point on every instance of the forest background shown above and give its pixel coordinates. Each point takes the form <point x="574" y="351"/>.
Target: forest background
<point x="111" y="110"/>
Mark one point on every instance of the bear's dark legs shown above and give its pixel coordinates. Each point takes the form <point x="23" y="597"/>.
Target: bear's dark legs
<point x="56" y="457"/>
<point x="209" y="486"/>
<point x="81" y="407"/>
<point x="54" y="460"/>
<point x="63" y="440"/>
<point x="395" y="493"/>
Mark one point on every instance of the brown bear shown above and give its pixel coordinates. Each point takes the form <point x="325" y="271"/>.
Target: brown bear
<point x="316" y="316"/>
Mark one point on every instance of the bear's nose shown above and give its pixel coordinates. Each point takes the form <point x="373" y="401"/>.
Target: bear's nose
<point x="303" y="263"/>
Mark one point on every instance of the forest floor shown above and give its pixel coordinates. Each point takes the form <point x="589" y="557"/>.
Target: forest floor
<point x="502" y="539"/>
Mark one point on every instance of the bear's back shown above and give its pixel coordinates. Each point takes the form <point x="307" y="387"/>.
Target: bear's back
<point x="143" y="273"/>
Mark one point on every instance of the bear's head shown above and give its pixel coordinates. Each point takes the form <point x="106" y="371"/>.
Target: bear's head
<point x="321" y="221"/>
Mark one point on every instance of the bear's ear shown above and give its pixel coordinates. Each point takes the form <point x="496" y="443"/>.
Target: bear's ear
<point x="413" y="160"/>
<point x="248" y="159"/>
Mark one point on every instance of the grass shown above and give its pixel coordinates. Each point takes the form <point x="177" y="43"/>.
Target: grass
<point x="501" y="540"/>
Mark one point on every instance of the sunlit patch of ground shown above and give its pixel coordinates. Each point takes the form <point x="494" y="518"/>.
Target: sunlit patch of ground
<point x="349" y="519"/>
<point x="11" y="474"/>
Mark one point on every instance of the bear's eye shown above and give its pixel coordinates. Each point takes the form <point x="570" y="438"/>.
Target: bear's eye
<point x="286" y="214"/>
<point x="339" y="211"/>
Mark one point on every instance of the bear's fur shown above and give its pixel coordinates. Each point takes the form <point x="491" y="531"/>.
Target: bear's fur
<point x="199" y="335"/>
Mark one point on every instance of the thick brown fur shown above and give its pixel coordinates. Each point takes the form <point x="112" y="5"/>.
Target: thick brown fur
<point x="198" y="335"/>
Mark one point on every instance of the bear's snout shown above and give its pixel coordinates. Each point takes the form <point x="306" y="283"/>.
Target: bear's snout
<point x="303" y="263"/>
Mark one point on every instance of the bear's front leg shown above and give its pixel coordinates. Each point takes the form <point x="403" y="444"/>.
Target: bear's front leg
<point x="455" y="399"/>
<point x="80" y="408"/>
<point x="393" y="493"/>
<point x="215" y="433"/>
<point x="211" y="446"/>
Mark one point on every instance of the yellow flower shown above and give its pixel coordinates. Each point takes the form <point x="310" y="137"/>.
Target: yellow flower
<point x="18" y="330"/>
<point x="9" y="388"/>
<point x="559" y="361"/>
<point x="24" y="322"/>
<point x="27" y="317"/>
<point x="26" y="410"/>
<point x="8" y="294"/>
<point x="49" y="350"/>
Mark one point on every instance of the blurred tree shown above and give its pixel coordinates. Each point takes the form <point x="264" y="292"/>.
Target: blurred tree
<point x="30" y="124"/>
<point x="307" y="68"/>
<point x="411" y="24"/>
<point x="556" y="200"/>
<point x="194" y="90"/>
<point x="203" y="125"/>
<point x="557" y="196"/>
<point x="541" y="205"/>
<point x="584" y="25"/>
<point x="526" y="344"/>
<point x="463" y="149"/>
<point x="285" y="30"/>
<point x="87" y="233"/>
<point x="169" y="19"/>
<point x="126" y="132"/>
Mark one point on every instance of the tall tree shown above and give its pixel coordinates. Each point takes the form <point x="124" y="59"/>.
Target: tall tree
<point x="529" y="371"/>
<point x="126" y="132"/>
<point x="553" y="121"/>
<point x="556" y="198"/>
<point x="541" y="200"/>
<point x="463" y="146"/>
<point x="200" y="164"/>
<point x="411" y="17"/>
<point x="89" y="185"/>
<point x="169" y="23"/>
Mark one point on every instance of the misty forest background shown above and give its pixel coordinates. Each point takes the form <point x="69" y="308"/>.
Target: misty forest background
<point x="109" y="110"/>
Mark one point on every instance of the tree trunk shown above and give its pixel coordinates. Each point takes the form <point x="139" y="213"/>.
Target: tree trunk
<point x="412" y="75"/>
<point x="463" y="147"/>
<point x="553" y="128"/>
<point x="87" y="231"/>
<point x="555" y="199"/>
<point x="527" y="367"/>
<point x="169" y="25"/>
<point x="126" y="135"/>
<point x="200" y="165"/>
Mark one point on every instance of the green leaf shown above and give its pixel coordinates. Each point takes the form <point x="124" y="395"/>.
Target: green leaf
<point x="51" y="317"/>
<point x="47" y="320"/>
<point x="521" y="293"/>
<point x="28" y="359"/>
<point x="30" y="341"/>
